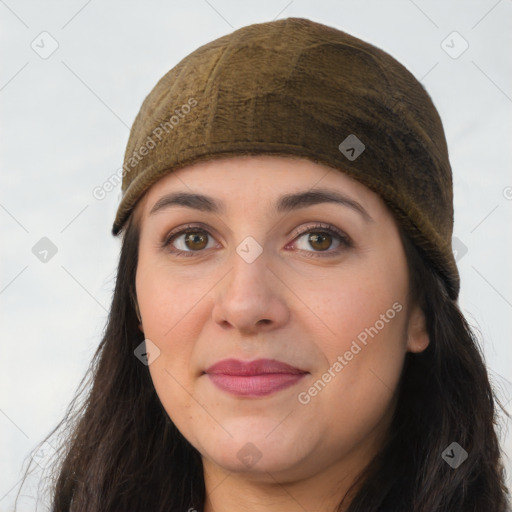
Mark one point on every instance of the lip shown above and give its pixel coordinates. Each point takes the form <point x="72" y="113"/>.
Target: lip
<point x="253" y="378"/>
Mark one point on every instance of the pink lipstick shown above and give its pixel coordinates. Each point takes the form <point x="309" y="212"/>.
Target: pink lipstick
<point x="253" y="378"/>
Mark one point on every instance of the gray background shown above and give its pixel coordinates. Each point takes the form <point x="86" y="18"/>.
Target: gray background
<point x="65" y="124"/>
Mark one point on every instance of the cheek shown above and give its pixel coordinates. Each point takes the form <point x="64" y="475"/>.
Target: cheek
<point x="366" y="304"/>
<point x="174" y="309"/>
<point x="173" y="326"/>
<point x="170" y="309"/>
<point x="360" y="330"/>
<point x="172" y="300"/>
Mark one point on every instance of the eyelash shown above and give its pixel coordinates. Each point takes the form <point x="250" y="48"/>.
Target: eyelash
<point x="345" y="241"/>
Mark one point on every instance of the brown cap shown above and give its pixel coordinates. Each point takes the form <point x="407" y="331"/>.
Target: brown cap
<point x="299" y="88"/>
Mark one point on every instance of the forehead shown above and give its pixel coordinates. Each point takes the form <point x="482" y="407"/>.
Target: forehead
<point x="258" y="180"/>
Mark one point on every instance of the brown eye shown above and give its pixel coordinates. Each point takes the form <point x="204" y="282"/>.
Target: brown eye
<point x="196" y="240"/>
<point x="320" y="241"/>
<point x="189" y="241"/>
<point x="317" y="240"/>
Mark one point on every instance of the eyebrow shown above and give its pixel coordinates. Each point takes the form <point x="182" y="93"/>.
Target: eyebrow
<point x="285" y="203"/>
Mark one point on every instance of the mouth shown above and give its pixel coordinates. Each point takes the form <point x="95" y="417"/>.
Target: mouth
<point x="254" y="378"/>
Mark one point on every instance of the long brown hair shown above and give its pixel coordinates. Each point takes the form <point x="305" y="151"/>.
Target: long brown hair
<point x="121" y="451"/>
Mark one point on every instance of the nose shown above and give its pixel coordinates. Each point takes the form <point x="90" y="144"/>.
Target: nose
<point x="250" y="299"/>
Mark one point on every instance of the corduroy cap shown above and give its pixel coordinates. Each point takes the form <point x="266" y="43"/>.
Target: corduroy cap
<point x="299" y="88"/>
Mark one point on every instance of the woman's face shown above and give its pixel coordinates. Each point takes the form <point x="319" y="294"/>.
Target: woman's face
<point x="275" y="290"/>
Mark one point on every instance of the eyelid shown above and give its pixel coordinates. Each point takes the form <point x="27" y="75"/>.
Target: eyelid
<point x="182" y="229"/>
<point x="319" y="226"/>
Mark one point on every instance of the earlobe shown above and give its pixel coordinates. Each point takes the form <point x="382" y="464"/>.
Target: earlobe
<point x="417" y="335"/>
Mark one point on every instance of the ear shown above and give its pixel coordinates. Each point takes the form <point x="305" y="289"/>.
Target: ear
<point x="417" y="335"/>
<point x="137" y="311"/>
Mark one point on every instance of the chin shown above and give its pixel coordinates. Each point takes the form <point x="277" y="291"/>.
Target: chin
<point x="251" y="460"/>
<point x="253" y="450"/>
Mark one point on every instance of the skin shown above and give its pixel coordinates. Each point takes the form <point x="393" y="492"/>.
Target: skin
<point x="284" y="305"/>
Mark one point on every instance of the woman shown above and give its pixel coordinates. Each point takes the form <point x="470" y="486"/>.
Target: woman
<point x="284" y="332"/>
